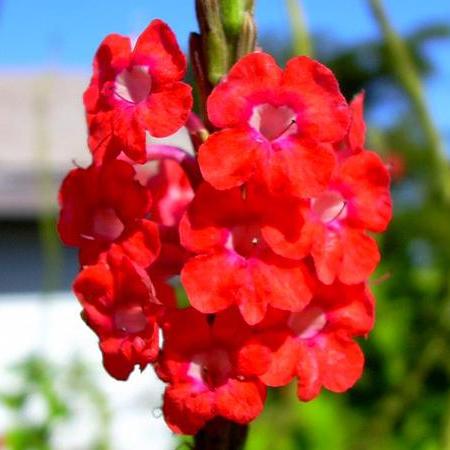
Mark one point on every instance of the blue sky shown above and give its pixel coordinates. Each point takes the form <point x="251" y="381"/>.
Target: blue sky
<point x="36" y="33"/>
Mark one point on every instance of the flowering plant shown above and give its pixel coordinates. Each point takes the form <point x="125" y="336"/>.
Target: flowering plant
<point x="266" y="222"/>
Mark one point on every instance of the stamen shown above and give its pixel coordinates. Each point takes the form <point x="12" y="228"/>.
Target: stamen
<point x="329" y="207"/>
<point x="292" y="122"/>
<point x="123" y="98"/>
<point x="133" y="85"/>
<point x="344" y="204"/>
<point x="273" y="122"/>
<point x="86" y="236"/>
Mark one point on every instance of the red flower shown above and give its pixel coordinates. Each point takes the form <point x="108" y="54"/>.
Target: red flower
<point x="234" y="262"/>
<point x="316" y="344"/>
<point x="357" y="199"/>
<point x="120" y="305"/>
<point x="207" y="371"/>
<point x="103" y="208"/>
<point x="134" y="90"/>
<point x="335" y="221"/>
<point x="354" y="141"/>
<point x="171" y="192"/>
<point x="277" y="125"/>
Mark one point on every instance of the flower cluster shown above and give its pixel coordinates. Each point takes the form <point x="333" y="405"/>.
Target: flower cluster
<point x="267" y="223"/>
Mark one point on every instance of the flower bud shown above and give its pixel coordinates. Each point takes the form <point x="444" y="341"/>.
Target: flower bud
<point x="247" y="38"/>
<point x="215" y="44"/>
<point x="232" y="12"/>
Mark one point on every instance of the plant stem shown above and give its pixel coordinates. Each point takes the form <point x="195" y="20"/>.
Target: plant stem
<point x="227" y="32"/>
<point x="221" y="434"/>
<point x="301" y="42"/>
<point x="51" y="250"/>
<point x="408" y="77"/>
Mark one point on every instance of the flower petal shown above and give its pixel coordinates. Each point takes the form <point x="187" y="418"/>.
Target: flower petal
<point x="349" y="308"/>
<point x="285" y="356"/>
<point x="288" y="235"/>
<point x="341" y="363"/>
<point x="186" y="411"/>
<point x="327" y="252"/>
<point x="213" y="282"/>
<point x="299" y="168"/>
<point x="357" y="131"/>
<point x="284" y="284"/>
<point x="112" y="56"/>
<point x="157" y="47"/>
<point x="94" y="286"/>
<point x="367" y="177"/>
<point x="308" y="372"/>
<point x="230" y="157"/>
<point x="166" y="110"/>
<point x="202" y="228"/>
<point x="190" y="324"/>
<point x="324" y="111"/>
<point x="114" y="361"/>
<point x="360" y="256"/>
<point x="231" y="102"/>
<point x="120" y="188"/>
<point x="240" y="401"/>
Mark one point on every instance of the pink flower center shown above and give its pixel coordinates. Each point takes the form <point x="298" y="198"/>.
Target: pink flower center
<point x="106" y="225"/>
<point x="133" y="85"/>
<point x="212" y="368"/>
<point x="273" y="122"/>
<point x="307" y="323"/>
<point x="246" y="240"/>
<point x="130" y="319"/>
<point x="329" y="206"/>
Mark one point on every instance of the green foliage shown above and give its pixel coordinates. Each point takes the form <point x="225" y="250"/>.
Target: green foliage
<point x="55" y="388"/>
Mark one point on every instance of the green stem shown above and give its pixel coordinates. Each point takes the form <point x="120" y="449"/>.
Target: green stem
<point x="51" y="249"/>
<point x="221" y="434"/>
<point x="301" y="41"/>
<point x="227" y="32"/>
<point x="408" y="77"/>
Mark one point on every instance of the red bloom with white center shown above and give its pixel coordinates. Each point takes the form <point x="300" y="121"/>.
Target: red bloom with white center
<point x="235" y="265"/>
<point x="134" y="90"/>
<point x="104" y="208"/>
<point x="357" y="199"/>
<point x="333" y="232"/>
<point x="120" y="305"/>
<point x="316" y="344"/>
<point x="277" y="125"/>
<point x="208" y="373"/>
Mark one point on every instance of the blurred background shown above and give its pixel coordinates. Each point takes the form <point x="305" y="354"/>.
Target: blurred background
<point x="53" y="392"/>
